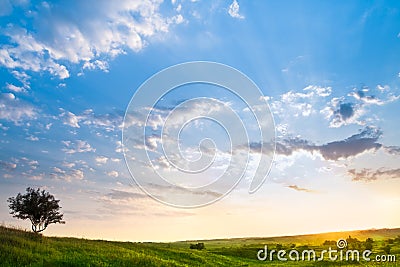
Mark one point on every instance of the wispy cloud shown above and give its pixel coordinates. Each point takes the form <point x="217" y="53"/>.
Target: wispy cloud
<point x="124" y="202"/>
<point x="108" y="121"/>
<point x="301" y="189"/>
<point x="369" y="175"/>
<point x="8" y="165"/>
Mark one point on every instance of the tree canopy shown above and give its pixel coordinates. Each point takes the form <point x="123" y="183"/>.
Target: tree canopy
<point x="40" y="207"/>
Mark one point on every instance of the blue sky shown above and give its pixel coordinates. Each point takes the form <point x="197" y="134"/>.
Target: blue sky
<point x="330" y="72"/>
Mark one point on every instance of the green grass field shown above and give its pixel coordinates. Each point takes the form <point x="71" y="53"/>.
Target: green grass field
<point x="22" y="248"/>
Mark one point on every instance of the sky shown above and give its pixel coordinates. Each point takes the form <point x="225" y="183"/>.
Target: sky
<point x="328" y="71"/>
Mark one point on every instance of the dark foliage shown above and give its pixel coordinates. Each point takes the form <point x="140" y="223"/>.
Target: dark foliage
<point x="387" y="249"/>
<point x="198" y="246"/>
<point x="40" y="207"/>
<point x="329" y="243"/>
<point x="369" y="243"/>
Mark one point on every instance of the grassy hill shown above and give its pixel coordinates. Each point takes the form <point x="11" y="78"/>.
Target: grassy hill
<point x="311" y="239"/>
<point x="21" y="248"/>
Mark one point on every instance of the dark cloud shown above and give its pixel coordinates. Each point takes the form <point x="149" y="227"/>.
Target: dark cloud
<point x="258" y="147"/>
<point x="369" y="175"/>
<point x="360" y="94"/>
<point x="352" y="146"/>
<point x="345" y="111"/>
<point x="288" y="146"/>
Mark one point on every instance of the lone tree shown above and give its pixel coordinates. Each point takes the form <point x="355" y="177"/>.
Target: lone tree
<point x="40" y="207"/>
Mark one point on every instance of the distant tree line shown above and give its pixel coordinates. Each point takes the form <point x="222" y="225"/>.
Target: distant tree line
<point x="368" y="244"/>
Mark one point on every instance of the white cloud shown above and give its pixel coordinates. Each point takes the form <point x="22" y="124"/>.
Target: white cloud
<point x="27" y="161"/>
<point x="26" y="53"/>
<point x="22" y="77"/>
<point x="318" y="90"/>
<point x="68" y="164"/>
<point x="82" y="32"/>
<point x="119" y="147"/>
<point x="96" y="64"/>
<point x="234" y="10"/>
<point x="79" y="146"/>
<point x="58" y="170"/>
<point x="298" y="104"/>
<point x="109" y="122"/>
<point x="73" y="174"/>
<point x="152" y="142"/>
<point x="15" y="89"/>
<point x="76" y="174"/>
<point x="70" y="118"/>
<point x="101" y="160"/>
<point x="15" y="110"/>
<point x="32" y="138"/>
<point x="383" y="88"/>
<point x="114" y="174"/>
<point x="178" y="19"/>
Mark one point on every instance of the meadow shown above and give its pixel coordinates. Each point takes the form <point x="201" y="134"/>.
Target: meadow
<point x="23" y="248"/>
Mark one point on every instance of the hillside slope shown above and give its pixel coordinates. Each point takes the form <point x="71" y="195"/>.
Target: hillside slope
<point x="22" y="248"/>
